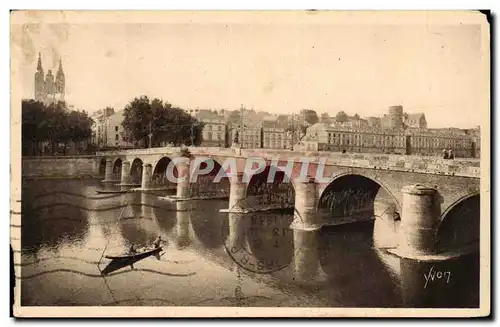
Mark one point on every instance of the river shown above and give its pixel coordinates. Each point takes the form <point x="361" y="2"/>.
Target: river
<point x="212" y="258"/>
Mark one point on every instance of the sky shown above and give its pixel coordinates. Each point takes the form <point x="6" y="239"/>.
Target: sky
<point x="276" y="67"/>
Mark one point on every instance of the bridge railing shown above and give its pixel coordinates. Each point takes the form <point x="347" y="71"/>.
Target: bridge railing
<point x="460" y="166"/>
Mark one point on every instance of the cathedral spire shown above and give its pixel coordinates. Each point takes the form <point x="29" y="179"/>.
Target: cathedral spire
<point x="60" y="80"/>
<point x="60" y="65"/>
<point x="39" y="80"/>
<point x="39" y="65"/>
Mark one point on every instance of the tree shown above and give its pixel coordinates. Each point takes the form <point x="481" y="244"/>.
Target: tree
<point x="356" y="117"/>
<point x="325" y="117"/>
<point x="310" y="116"/>
<point x="164" y="122"/>
<point x="341" y="117"/>
<point x="80" y="126"/>
<point x="33" y="131"/>
<point x="52" y="124"/>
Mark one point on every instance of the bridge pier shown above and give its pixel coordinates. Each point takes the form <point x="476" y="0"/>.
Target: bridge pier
<point x="108" y="173"/>
<point x="125" y="180"/>
<point x="420" y="213"/>
<point x="146" y="176"/>
<point x="306" y="215"/>
<point x="183" y="180"/>
<point x="385" y="228"/>
<point x="237" y="193"/>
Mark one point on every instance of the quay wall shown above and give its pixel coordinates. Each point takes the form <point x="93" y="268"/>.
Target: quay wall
<point x="60" y="167"/>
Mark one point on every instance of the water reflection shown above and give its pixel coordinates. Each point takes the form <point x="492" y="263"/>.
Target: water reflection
<point x="306" y="256"/>
<point x="444" y="284"/>
<point x="270" y="239"/>
<point x="183" y="224"/>
<point x="260" y="243"/>
<point x="347" y="258"/>
<point x="209" y="226"/>
<point x="49" y="221"/>
<point x="338" y="265"/>
<point x="53" y="227"/>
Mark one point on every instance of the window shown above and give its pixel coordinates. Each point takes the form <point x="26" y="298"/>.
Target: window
<point x="116" y="137"/>
<point x="116" y="128"/>
<point x="209" y="134"/>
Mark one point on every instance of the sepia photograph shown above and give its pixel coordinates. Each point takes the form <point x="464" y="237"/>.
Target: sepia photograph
<point x="250" y="163"/>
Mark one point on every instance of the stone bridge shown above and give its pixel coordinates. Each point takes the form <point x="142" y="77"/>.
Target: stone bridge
<point x="429" y="203"/>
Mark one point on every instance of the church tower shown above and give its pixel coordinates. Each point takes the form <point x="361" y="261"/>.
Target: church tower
<point x="49" y="88"/>
<point x="39" y="80"/>
<point x="49" y="84"/>
<point x="60" y="82"/>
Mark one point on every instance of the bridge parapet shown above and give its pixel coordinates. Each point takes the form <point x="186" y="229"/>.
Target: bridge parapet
<point x="419" y="164"/>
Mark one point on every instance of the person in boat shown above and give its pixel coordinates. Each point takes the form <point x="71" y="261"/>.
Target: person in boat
<point x="132" y="249"/>
<point x="157" y="242"/>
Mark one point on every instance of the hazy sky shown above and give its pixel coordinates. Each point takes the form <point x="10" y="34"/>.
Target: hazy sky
<point x="279" y="68"/>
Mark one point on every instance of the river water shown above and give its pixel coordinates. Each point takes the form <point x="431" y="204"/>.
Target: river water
<point x="212" y="258"/>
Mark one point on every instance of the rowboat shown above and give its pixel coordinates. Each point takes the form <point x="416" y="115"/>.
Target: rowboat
<point x="135" y="256"/>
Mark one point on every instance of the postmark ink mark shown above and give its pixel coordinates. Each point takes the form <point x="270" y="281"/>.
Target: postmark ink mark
<point x="261" y="242"/>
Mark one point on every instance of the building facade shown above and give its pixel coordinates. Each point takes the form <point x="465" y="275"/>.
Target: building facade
<point x="323" y="137"/>
<point x="214" y="128"/>
<point x="114" y="131"/>
<point x="415" y="121"/>
<point x="275" y="137"/>
<point x="99" y="129"/>
<point x="107" y="132"/>
<point x="248" y="137"/>
<point x="434" y="141"/>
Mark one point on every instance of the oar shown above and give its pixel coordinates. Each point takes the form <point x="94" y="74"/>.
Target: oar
<point x="121" y="213"/>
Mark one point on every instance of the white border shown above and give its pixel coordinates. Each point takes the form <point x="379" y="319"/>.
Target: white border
<point x="146" y="4"/>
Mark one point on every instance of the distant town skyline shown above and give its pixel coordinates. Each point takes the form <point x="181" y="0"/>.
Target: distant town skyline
<point x="278" y="68"/>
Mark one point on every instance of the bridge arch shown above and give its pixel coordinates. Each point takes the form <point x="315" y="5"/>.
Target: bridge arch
<point x="136" y="171"/>
<point x="205" y="161"/>
<point x="357" y="176"/>
<point x="117" y="168"/>
<point x="350" y="197"/>
<point x="459" y="224"/>
<point x="208" y="184"/>
<point x="158" y="175"/>
<point x="263" y="192"/>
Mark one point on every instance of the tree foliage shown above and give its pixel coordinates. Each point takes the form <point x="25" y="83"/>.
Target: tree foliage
<point x="310" y="116"/>
<point x="52" y="124"/>
<point x="325" y="117"/>
<point x="166" y="123"/>
<point x="341" y="117"/>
